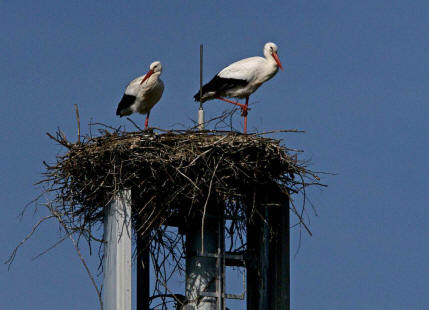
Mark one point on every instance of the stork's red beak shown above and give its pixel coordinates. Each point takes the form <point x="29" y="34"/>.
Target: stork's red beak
<point x="148" y="74"/>
<point x="276" y="58"/>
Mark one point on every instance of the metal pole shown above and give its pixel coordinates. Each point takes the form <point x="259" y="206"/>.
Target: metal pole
<point x="201" y="119"/>
<point x="143" y="275"/>
<point x="220" y="262"/>
<point x="201" y="111"/>
<point x="265" y="263"/>
<point x="117" y="253"/>
<point x="256" y="250"/>
<point x="202" y="269"/>
<point x="268" y="271"/>
<point x="279" y="259"/>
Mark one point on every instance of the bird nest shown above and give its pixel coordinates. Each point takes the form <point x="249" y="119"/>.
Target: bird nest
<point x="172" y="176"/>
<point x="172" y="172"/>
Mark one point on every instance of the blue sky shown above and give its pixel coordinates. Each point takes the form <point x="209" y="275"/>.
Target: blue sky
<point x="356" y="80"/>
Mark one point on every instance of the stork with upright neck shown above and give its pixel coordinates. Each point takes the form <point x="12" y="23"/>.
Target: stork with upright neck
<point x="242" y="78"/>
<point x="142" y="93"/>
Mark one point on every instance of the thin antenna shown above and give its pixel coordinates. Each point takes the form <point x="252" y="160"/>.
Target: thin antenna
<point x="201" y="75"/>
<point x="201" y="111"/>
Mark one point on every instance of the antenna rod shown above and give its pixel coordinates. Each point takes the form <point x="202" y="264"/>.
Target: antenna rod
<point x="201" y="111"/>
<point x="201" y="75"/>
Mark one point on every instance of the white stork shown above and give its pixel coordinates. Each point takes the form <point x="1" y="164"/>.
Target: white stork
<point x="242" y="78"/>
<point x="142" y="93"/>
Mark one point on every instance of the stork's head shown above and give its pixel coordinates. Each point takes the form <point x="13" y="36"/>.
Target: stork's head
<point x="270" y="50"/>
<point x="155" y="67"/>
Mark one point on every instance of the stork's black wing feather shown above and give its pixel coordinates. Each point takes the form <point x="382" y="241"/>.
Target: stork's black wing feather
<point x="126" y="102"/>
<point x="219" y="85"/>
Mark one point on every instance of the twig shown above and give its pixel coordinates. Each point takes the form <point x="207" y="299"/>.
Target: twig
<point x="279" y="131"/>
<point x="78" y="122"/>
<point x="50" y="248"/>
<point x="135" y="125"/>
<point x="12" y="256"/>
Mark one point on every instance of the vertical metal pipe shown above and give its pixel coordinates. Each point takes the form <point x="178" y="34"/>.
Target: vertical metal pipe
<point x="253" y="262"/>
<point x="268" y="271"/>
<point x="264" y="262"/>
<point x="142" y="290"/>
<point x="282" y="257"/>
<point x="278" y="257"/>
<point x="201" y="119"/>
<point x="220" y="263"/>
<point x="201" y="110"/>
<point x="201" y="268"/>
<point x="201" y="75"/>
<point x="278" y="260"/>
<point x="117" y="253"/>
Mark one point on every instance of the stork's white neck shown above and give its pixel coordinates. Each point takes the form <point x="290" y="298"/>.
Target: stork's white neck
<point x="156" y="75"/>
<point x="153" y="78"/>
<point x="269" y="57"/>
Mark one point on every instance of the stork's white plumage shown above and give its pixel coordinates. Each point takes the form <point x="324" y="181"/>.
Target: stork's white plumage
<point x="142" y="93"/>
<point x="242" y="78"/>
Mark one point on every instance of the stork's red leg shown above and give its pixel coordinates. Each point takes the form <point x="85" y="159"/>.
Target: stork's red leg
<point x="245" y="115"/>
<point x="146" y="122"/>
<point x="242" y="106"/>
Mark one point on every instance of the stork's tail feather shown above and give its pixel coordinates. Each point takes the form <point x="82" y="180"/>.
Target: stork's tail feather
<point x="207" y="88"/>
<point x="218" y="86"/>
<point x="197" y="96"/>
<point x="124" y="104"/>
